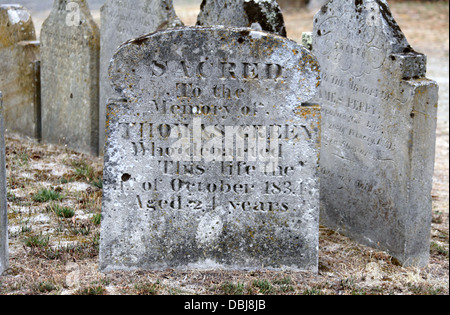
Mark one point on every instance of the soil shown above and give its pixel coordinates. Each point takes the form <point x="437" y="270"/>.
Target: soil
<point x="55" y="251"/>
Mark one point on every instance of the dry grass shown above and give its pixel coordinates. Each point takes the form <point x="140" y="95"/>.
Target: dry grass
<point x="54" y="254"/>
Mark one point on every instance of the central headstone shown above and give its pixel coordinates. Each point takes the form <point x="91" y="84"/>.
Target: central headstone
<point x="3" y="205"/>
<point x="212" y="156"/>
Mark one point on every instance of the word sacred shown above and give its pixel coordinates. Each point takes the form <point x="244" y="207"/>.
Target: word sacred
<point x="223" y="70"/>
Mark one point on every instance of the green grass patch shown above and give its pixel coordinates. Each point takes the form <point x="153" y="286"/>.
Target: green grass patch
<point x="37" y="241"/>
<point x="61" y="211"/>
<point x="46" y="195"/>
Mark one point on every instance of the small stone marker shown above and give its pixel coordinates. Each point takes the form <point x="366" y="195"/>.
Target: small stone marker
<point x="378" y="130"/>
<point x="122" y="20"/>
<point x="69" y="77"/>
<point x="19" y="71"/>
<point x="3" y="206"/>
<point x="263" y="15"/>
<point x="212" y="160"/>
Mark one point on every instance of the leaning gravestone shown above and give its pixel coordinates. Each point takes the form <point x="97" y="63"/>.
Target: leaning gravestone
<point x="3" y="205"/>
<point x="19" y="71"/>
<point x="212" y="158"/>
<point x="264" y="15"/>
<point x="122" y="20"/>
<point x="69" y="77"/>
<point x="378" y="130"/>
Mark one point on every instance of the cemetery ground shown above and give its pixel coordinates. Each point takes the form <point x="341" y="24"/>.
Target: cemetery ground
<point x="54" y="212"/>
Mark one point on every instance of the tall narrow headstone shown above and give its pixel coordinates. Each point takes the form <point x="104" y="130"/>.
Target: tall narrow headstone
<point x="69" y="77"/>
<point x="212" y="157"/>
<point x="19" y="81"/>
<point x="3" y="206"/>
<point x="378" y="130"/>
<point x="264" y="15"/>
<point x="122" y="20"/>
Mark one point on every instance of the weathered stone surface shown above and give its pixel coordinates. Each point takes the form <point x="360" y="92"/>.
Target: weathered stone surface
<point x="378" y="130"/>
<point x="19" y="71"/>
<point x="69" y="77"/>
<point x="212" y="157"/>
<point x="263" y="15"/>
<point x="122" y="20"/>
<point x="3" y="206"/>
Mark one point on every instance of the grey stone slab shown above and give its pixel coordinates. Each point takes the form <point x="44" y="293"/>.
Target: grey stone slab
<point x="4" y="257"/>
<point x="122" y="20"/>
<point x="263" y="15"/>
<point x="378" y="130"/>
<point x="19" y="55"/>
<point x="70" y="76"/>
<point x="212" y="157"/>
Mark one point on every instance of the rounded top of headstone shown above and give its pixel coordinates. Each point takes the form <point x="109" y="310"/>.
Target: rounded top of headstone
<point x="361" y="37"/>
<point x="198" y="54"/>
<point x="263" y="14"/>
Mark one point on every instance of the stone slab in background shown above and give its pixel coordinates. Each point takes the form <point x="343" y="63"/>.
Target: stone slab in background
<point x="265" y="15"/>
<point x="379" y="117"/>
<point x="3" y="201"/>
<point x="19" y="71"/>
<point x="69" y="77"/>
<point x="121" y="21"/>
<point x="212" y="158"/>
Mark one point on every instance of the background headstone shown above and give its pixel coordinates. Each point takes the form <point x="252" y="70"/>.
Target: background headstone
<point x="264" y="15"/>
<point x="212" y="160"/>
<point x="315" y="5"/>
<point x="122" y="20"/>
<point x="378" y="130"/>
<point x="69" y="77"/>
<point x="19" y="71"/>
<point x="3" y="204"/>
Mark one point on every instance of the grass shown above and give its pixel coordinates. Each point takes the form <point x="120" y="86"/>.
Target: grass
<point x="91" y="290"/>
<point x="62" y="211"/>
<point x="439" y="249"/>
<point x="229" y="288"/>
<point x="37" y="241"/>
<point x="46" y="195"/>
<point x="97" y="219"/>
<point x="147" y="288"/>
<point x="263" y="286"/>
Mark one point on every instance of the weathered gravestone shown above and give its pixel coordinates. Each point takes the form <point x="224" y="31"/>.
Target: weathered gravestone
<point x="19" y="71"/>
<point x="378" y="130"/>
<point x="314" y="5"/>
<point x="122" y="20"/>
<point x="212" y="160"/>
<point x="3" y="205"/>
<point x="264" y="15"/>
<point x="70" y="42"/>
